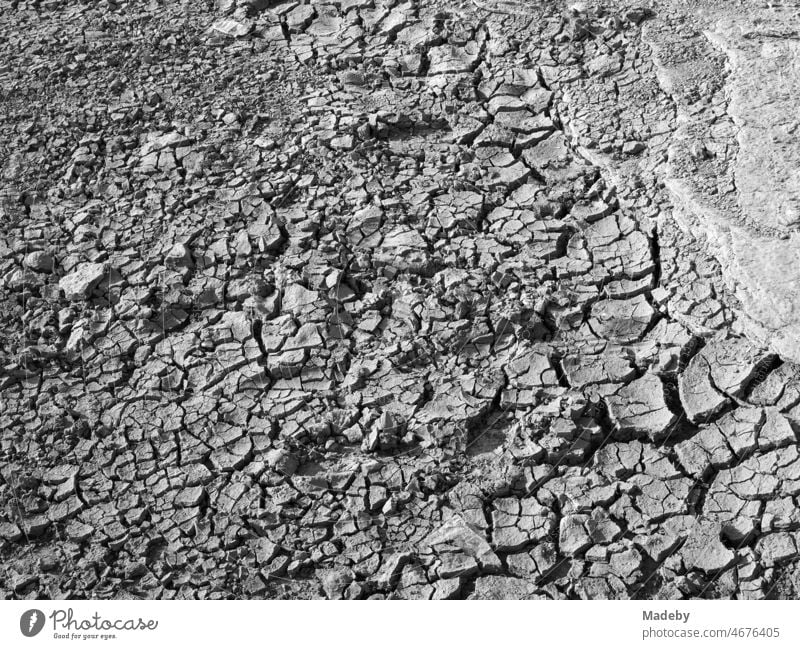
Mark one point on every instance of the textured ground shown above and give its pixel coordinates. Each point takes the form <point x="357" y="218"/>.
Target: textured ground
<point x="398" y="300"/>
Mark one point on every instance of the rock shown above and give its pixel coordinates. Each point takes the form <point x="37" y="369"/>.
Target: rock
<point x="79" y="284"/>
<point x="632" y="148"/>
<point x="499" y="587"/>
<point x="606" y="65"/>
<point x="639" y="408"/>
<point x="777" y="548"/>
<point x="621" y="321"/>
<point x="719" y="371"/>
<point x="573" y="537"/>
<point x="179" y="256"/>
<point x="776" y="431"/>
<point x="704" y="550"/>
<point x="392" y="568"/>
<point x="232" y="28"/>
<point x="706" y="450"/>
<point x="335" y="581"/>
<point x="460" y="534"/>
<point x="583" y="369"/>
<point x="10" y="532"/>
<point x="449" y="59"/>
<point x="282" y="462"/>
<point x="518" y="523"/>
<point x="39" y="261"/>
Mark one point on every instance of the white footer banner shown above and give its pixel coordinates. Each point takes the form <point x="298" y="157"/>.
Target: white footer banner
<point x="351" y="625"/>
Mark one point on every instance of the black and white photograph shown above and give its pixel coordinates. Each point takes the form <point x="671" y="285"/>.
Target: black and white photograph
<point x="400" y="300"/>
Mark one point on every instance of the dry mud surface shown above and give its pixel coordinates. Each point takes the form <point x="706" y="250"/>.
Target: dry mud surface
<point x="382" y="299"/>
